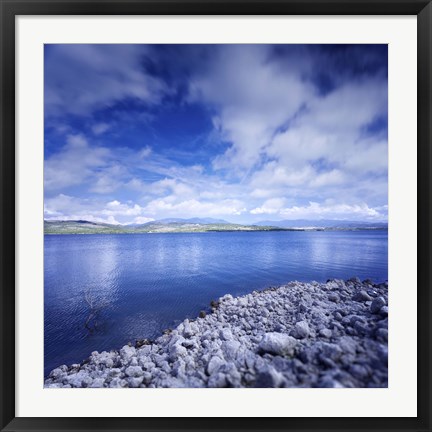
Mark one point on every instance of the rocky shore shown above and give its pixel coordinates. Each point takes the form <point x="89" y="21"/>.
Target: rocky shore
<point x="330" y="334"/>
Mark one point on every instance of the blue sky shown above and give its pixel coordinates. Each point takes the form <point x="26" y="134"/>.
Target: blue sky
<point x="245" y="133"/>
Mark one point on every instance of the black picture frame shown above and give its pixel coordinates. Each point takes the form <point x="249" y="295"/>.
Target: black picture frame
<point x="9" y="9"/>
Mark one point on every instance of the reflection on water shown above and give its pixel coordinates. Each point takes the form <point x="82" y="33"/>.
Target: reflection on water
<point x="135" y="286"/>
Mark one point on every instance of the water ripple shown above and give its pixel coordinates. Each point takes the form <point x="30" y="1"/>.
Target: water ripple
<point x="102" y="291"/>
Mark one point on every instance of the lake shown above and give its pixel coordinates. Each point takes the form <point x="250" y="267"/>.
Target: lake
<point x="102" y="291"/>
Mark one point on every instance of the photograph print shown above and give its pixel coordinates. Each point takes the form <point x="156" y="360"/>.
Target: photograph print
<point x="215" y="216"/>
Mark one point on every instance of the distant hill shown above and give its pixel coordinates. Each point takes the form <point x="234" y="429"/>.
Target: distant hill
<point x="80" y="227"/>
<point x="202" y="225"/>
<point x="85" y="227"/>
<point x="192" y="220"/>
<point x="324" y="224"/>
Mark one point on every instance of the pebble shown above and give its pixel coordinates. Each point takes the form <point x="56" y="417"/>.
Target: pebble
<point x="327" y="333"/>
<point x="214" y="365"/>
<point x="127" y="352"/>
<point x="377" y="304"/>
<point x="296" y="335"/>
<point x="338" y="316"/>
<point x="134" y="371"/>
<point x="277" y="343"/>
<point x="217" y="380"/>
<point x="384" y="311"/>
<point x="333" y="297"/>
<point x="362" y="296"/>
<point x="269" y="378"/>
<point x="302" y="330"/>
<point x="382" y="334"/>
<point x="355" y="280"/>
<point x="328" y="382"/>
<point x="135" y="382"/>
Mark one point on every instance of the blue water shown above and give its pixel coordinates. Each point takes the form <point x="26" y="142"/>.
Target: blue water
<point x="140" y="284"/>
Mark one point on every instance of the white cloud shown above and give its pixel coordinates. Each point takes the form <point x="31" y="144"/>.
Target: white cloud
<point x="145" y="152"/>
<point x="74" y="163"/>
<point x="329" y="178"/>
<point x="109" y="179"/>
<point x="142" y="220"/>
<point x="331" y="129"/>
<point x="98" y="168"/>
<point x="333" y="211"/>
<point x="65" y="207"/>
<point x="100" y="128"/>
<point x="325" y="150"/>
<point x="115" y="208"/>
<point x="271" y="206"/>
<point x="176" y="188"/>
<point x="274" y="174"/>
<point x="288" y="140"/>
<point x="195" y="207"/>
<point x="254" y="97"/>
<point x="369" y="156"/>
<point x="82" y="78"/>
<point x="350" y="106"/>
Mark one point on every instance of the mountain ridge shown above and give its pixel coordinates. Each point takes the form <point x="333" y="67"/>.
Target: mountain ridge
<point x="323" y="223"/>
<point x="185" y="226"/>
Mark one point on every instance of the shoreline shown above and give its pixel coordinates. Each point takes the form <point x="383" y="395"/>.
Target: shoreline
<point x="223" y="231"/>
<point x="331" y="334"/>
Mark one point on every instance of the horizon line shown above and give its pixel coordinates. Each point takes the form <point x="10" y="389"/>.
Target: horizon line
<point x="217" y="221"/>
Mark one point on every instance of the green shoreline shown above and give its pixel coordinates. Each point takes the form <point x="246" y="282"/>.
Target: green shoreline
<point x="85" y="227"/>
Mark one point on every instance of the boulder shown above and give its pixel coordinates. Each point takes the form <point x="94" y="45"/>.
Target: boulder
<point x="327" y="333"/>
<point x="333" y="297"/>
<point x="177" y="351"/>
<point x="97" y="383"/>
<point x="377" y="304"/>
<point x="301" y="330"/>
<point x="331" y="351"/>
<point x="134" y="371"/>
<point x="135" y="382"/>
<point x="384" y="311"/>
<point x="329" y="382"/>
<point x="355" y="280"/>
<point x="217" y="380"/>
<point x="225" y="334"/>
<point x="127" y="352"/>
<point x="230" y="349"/>
<point x="269" y="378"/>
<point x="214" y="365"/>
<point x="362" y="296"/>
<point x="278" y="344"/>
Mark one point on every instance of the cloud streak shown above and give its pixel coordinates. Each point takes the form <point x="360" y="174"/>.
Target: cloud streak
<point x="83" y="78"/>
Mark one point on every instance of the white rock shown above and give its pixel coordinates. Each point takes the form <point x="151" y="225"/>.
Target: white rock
<point x="117" y="382"/>
<point x="327" y="333"/>
<point x="377" y="304"/>
<point x="230" y="349"/>
<point x="226" y="334"/>
<point x="269" y="378"/>
<point x="302" y="329"/>
<point x="127" y="352"/>
<point x="135" y="382"/>
<point x="98" y="383"/>
<point x="109" y="363"/>
<point x="134" y="371"/>
<point x="56" y="374"/>
<point x="187" y="332"/>
<point x="177" y="351"/>
<point x="214" y="365"/>
<point x="217" y="380"/>
<point x="242" y="301"/>
<point x="277" y="343"/>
